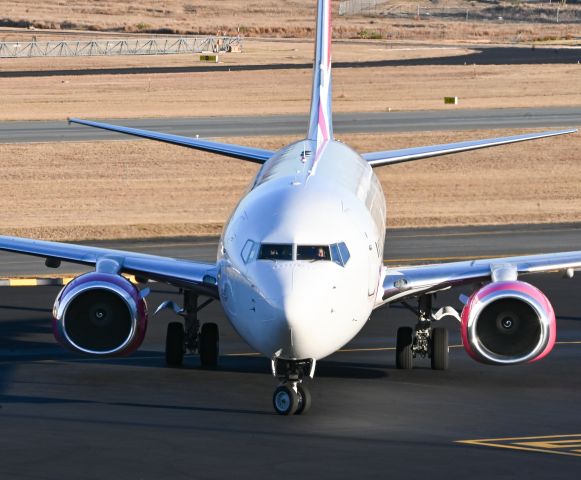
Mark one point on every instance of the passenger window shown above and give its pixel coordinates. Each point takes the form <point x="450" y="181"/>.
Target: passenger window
<point x="271" y="251"/>
<point x="313" y="252"/>
<point x="249" y="251"/>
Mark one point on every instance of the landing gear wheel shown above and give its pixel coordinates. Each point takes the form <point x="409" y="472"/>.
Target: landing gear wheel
<point x="285" y="400"/>
<point x="439" y="352"/>
<point x="404" y="348"/>
<point x="174" y="344"/>
<point x="209" y="345"/>
<point x="305" y="399"/>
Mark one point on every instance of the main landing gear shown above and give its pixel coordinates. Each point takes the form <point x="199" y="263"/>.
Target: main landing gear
<point x="188" y="336"/>
<point x="292" y="396"/>
<point x="424" y="340"/>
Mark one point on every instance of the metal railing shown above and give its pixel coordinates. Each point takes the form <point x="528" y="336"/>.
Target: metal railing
<point x="120" y="46"/>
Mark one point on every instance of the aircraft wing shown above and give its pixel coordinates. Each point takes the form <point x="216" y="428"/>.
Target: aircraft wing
<point x="250" y="154"/>
<point x="390" y="157"/>
<point x="410" y="281"/>
<point x="197" y="276"/>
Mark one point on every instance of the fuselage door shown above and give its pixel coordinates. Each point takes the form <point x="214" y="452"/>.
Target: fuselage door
<point x="373" y="272"/>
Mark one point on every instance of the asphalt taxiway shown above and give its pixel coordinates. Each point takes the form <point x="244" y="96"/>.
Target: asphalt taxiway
<point x="479" y="55"/>
<point x="66" y="416"/>
<point x="402" y="246"/>
<point x="357" y="122"/>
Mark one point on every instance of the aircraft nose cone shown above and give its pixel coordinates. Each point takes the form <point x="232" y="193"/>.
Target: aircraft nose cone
<point x="304" y="313"/>
<point x="295" y="315"/>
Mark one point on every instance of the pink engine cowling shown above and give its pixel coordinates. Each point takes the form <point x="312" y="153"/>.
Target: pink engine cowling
<point x="100" y="314"/>
<point x="507" y="323"/>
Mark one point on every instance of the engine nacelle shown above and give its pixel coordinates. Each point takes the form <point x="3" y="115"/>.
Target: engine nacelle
<point x="507" y="323"/>
<point x="100" y="314"/>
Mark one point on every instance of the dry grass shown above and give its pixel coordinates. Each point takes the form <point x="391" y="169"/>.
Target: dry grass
<point x="287" y="91"/>
<point x="291" y="18"/>
<point x="143" y="189"/>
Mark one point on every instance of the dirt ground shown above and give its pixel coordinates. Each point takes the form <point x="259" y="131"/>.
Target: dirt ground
<point x="274" y="18"/>
<point x="74" y="191"/>
<point x="130" y="189"/>
<point x="267" y="92"/>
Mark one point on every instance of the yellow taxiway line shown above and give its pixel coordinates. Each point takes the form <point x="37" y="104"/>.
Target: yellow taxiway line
<point x="378" y="349"/>
<point x="569" y="445"/>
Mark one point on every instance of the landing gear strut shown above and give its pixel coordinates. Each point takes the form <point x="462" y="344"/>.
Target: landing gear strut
<point x="424" y="340"/>
<point x="189" y="337"/>
<point x="292" y="397"/>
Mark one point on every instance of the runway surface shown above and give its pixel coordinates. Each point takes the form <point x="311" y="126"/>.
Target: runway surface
<point x="361" y="122"/>
<point x="481" y="55"/>
<point x="65" y="416"/>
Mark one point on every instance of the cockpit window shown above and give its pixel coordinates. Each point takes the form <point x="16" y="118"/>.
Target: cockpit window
<point x="340" y="253"/>
<point x="249" y="251"/>
<point x="313" y="252"/>
<point x="345" y="255"/>
<point x="272" y="251"/>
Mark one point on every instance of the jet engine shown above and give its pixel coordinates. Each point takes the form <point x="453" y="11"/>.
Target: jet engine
<point x="508" y="323"/>
<point x="100" y="314"/>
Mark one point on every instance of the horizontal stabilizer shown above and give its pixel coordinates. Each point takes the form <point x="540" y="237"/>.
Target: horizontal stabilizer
<point x="250" y="154"/>
<point x="389" y="157"/>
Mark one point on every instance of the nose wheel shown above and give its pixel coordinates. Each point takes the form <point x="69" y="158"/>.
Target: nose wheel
<point x="304" y="399"/>
<point x="291" y="400"/>
<point x="292" y="396"/>
<point x="285" y="400"/>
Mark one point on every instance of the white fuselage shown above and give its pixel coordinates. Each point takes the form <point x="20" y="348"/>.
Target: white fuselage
<point x="292" y="305"/>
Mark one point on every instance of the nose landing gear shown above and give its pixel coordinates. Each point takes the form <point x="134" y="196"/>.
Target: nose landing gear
<point x="292" y="396"/>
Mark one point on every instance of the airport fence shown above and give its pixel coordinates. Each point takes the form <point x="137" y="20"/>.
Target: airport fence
<point x="120" y="46"/>
<point x="530" y="12"/>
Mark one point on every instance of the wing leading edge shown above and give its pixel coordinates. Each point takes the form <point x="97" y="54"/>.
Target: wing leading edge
<point x="250" y="154"/>
<point x="390" y="157"/>
<point x="197" y="276"/>
<point x="409" y="281"/>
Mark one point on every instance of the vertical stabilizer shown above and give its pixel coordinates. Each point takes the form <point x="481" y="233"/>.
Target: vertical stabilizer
<point x="321" y="122"/>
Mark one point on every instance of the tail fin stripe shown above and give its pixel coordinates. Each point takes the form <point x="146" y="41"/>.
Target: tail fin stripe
<point x="320" y="124"/>
<point x="323" y="130"/>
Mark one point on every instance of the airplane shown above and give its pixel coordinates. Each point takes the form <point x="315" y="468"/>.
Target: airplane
<point x="299" y="266"/>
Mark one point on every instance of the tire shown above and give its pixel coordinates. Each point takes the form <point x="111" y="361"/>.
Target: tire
<point x="439" y="349"/>
<point x="174" y="344"/>
<point x="305" y="399"/>
<point x="285" y="400"/>
<point x="209" y="347"/>
<point x="404" y="348"/>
